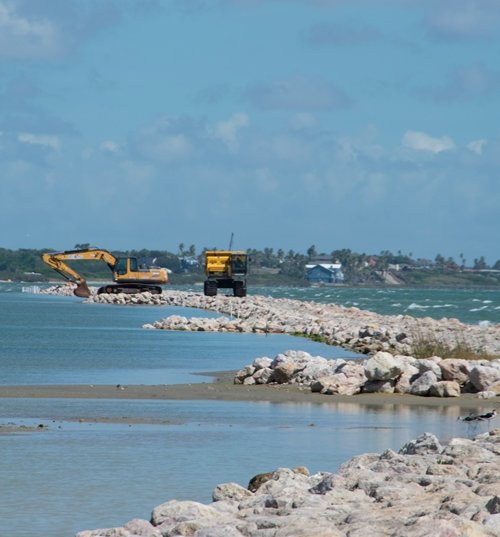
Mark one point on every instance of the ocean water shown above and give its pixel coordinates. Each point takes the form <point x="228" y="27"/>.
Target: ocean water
<point x="470" y="306"/>
<point x="97" y="464"/>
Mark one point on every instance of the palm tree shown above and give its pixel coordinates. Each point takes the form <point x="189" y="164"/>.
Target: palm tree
<point x="311" y="251"/>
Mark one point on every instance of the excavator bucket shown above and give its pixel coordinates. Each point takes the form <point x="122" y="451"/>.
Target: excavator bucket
<point x="82" y="290"/>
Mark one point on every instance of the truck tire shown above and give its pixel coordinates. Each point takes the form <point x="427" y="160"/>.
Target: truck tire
<point x="239" y="289"/>
<point x="210" y="288"/>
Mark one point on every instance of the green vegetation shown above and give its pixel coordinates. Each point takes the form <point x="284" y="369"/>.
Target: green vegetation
<point x="313" y="337"/>
<point x="427" y="345"/>
<point x="269" y="267"/>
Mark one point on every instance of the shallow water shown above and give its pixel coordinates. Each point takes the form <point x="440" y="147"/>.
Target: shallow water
<point x="76" y="475"/>
<point x="61" y="340"/>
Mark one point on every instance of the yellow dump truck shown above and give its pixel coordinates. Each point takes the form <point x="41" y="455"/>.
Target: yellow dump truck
<point x="226" y="269"/>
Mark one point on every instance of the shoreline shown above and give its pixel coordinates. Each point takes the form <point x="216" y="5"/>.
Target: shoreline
<point x="223" y="389"/>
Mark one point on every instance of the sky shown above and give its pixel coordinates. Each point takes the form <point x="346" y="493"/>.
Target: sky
<point x="363" y="124"/>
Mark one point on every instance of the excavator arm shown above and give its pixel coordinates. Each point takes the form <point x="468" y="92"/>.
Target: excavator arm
<point x="58" y="262"/>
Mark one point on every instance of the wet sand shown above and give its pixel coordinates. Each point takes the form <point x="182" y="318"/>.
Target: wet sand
<point x="223" y="389"/>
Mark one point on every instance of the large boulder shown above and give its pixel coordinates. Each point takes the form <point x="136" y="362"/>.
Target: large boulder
<point x="383" y="366"/>
<point x="425" y="444"/>
<point x="176" y="511"/>
<point x="430" y="364"/>
<point x="482" y="377"/>
<point x="455" y="369"/>
<point x="229" y="491"/>
<point x="135" y="528"/>
<point x="423" y="384"/>
<point x="445" y="388"/>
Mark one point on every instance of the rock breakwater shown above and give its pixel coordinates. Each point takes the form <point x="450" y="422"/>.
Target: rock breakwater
<point x="382" y="373"/>
<point x="425" y="489"/>
<point x="389" y="340"/>
<point x="65" y="289"/>
<point x="349" y="327"/>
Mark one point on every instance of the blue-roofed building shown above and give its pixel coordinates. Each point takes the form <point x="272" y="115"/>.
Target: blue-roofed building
<point x="325" y="273"/>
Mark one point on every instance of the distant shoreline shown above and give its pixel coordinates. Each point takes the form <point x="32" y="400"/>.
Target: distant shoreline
<point x="299" y="284"/>
<point x="260" y="285"/>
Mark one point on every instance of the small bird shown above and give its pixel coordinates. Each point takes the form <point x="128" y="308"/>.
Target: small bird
<point x="480" y="417"/>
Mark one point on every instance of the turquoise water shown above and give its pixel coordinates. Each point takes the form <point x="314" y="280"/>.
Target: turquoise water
<point x="470" y="306"/>
<point x="74" y="475"/>
<point x="61" y="340"/>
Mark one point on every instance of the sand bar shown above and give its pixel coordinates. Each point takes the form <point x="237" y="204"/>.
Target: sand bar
<point x="224" y="390"/>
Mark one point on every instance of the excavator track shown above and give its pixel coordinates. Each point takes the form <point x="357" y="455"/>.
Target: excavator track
<point x="129" y="289"/>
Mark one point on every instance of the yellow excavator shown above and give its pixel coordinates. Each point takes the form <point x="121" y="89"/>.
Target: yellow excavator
<point x="127" y="275"/>
<point x="225" y="269"/>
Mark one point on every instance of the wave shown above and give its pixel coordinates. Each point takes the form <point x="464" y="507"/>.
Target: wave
<point x="479" y="309"/>
<point x="414" y="306"/>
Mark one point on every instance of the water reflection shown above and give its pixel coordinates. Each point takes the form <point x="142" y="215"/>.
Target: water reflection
<point x="99" y="474"/>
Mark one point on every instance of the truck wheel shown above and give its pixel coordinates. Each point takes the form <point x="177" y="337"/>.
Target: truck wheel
<point x="210" y="288"/>
<point x="239" y="289"/>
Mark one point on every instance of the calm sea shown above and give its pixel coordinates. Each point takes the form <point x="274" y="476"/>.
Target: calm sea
<point x="76" y="475"/>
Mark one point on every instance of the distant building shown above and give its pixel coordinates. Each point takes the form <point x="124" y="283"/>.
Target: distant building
<point x="325" y="273"/>
<point x="189" y="263"/>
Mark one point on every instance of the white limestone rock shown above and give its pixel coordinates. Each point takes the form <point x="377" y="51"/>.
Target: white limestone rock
<point x="445" y="388"/>
<point x="422" y="385"/>
<point x="383" y="366"/>
<point x="483" y="377"/>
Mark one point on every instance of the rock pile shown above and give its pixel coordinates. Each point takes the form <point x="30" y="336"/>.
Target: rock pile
<point x="354" y="329"/>
<point x="391" y="338"/>
<point x="349" y="327"/>
<point x="425" y="489"/>
<point x="65" y="289"/>
<point x="382" y="373"/>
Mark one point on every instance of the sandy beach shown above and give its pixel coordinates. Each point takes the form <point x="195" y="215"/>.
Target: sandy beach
<point x="223" y="389"/>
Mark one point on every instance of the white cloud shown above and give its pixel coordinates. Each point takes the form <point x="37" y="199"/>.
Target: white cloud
<point x="464" y="19"/>
<point x="266" y="181"/>
<point x="466" y="82"/>
<point x="137" y="175"/>
<point x="227" y="131"/>
<point x="43" y="140"/>
<point x="330" y="33"/>
<point x="297" y="93"/>
<point x="350" y="149"/>
<point x="420" y="141"/>
<point x="303" y="121"/>
<point x="169" y="148"/>
<point x="109" y="146"/>
<point x="476" y="146"/>
<point x="22" y="37"/>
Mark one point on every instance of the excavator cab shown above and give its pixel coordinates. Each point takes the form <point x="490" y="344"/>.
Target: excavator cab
<point x="125" y="265"/>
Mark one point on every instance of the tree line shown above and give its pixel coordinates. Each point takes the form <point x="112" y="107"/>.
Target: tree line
<point x="26" y="264"/>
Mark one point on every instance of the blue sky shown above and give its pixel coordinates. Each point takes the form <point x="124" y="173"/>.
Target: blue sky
<point x="370" y="125"/>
